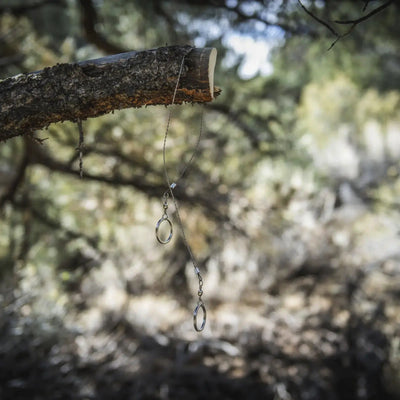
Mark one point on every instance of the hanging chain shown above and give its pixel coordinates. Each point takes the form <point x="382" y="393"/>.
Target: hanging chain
<point x="80" y="147"/>
<point x="169" y="193"/>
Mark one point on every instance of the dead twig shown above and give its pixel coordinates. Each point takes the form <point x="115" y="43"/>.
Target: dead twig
<point x="352" y="22"/>
<point x="319" y="20"/>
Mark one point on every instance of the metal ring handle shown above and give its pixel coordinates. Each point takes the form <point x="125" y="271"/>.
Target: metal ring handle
<point x="159" y="222"/>
<point x="200" y="305"/>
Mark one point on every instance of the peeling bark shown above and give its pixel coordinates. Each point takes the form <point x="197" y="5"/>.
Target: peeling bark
<point x="91" y="88"/>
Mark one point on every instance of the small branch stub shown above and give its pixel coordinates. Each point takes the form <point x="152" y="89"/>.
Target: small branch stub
<point x="92" y="88"/>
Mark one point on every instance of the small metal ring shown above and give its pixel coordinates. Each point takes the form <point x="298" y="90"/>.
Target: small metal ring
<point x="195" y="312"/>
<point x="159" y="222"/>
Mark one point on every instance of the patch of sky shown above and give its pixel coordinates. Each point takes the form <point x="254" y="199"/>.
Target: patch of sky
<point x="253" y="51"/>
<point x="250" y="45"/>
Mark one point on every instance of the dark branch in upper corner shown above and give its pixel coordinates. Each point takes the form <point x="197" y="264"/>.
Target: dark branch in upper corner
<point x="89" y="21"/>
<point x="353" y="22"/>
<point x="365" y="17"/>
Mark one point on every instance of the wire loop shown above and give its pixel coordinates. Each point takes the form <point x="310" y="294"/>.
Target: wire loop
<point x="200" y="305"/>
<point x="171" y="231"/>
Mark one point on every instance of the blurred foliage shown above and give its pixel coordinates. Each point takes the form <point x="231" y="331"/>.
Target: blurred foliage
<point x="291" y="205"/>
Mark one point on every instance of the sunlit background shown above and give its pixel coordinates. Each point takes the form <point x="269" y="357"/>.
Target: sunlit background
<point x="291" y="207"/>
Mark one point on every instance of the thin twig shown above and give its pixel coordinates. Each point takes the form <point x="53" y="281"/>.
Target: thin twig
<point x="37" y="139"/>
<point x="342" y="36"/>
<point x="366" y="5"/>
<point x="321" y="21"/>
<point x="365" y="17"/>
<point x="355" y="22"/>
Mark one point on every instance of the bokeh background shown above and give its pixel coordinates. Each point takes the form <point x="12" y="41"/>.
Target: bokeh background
<point x="291" y="207"/>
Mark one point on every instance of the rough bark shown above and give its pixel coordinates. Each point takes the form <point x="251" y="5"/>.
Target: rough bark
<point x="91" y="88"/>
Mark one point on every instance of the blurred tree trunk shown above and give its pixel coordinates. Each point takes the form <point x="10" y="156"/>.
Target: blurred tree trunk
<point x="95" y="87"/>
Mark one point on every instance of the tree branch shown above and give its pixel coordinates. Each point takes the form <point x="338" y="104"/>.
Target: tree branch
<point x="252" y="133"/>
<point x="89" y="21"/>
<point x="353" y="22"/>
<point x="17" y="181"/>
<point x="55" y="225"/>
<point x="365" y="17"/>
<point x="96" y="87"/>
<point x="366" y="2"/>
<point x="281" y="22"/>
<point x="22" y="9"/>
<point x="322" y="22"/>
<point x="213" y="205"/>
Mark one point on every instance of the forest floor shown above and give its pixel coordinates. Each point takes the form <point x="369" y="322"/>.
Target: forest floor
<point x="326" y="328"/>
